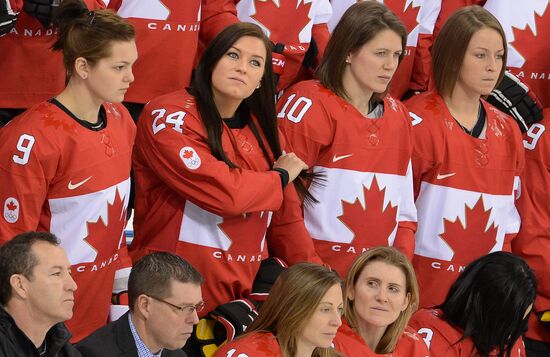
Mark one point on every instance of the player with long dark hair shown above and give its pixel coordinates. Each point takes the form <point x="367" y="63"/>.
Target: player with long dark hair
<point x="210" y="170"/>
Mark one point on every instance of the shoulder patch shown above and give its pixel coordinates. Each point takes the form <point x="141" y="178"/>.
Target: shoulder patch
<point x="11" y="210"/>
<point x="190" y="158"/>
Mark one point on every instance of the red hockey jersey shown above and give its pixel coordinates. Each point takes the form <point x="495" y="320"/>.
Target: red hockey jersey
<point x="533" y="240"/>
<point x="167" y="35"/>
<point x="30" y="71"/>
<point x="291" y="22"/>
<point x="57" y="175"/>
<point x="191" y="203"/>
<point x="254" y="344"/>
<point x="351" y="344"/>
<point x="527" y="29"/>
<point x="366" y="197"/>
<point x="443" y="339"/>
<point x="464" y="189"/>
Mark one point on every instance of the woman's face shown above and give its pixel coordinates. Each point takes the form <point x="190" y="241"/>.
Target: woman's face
<point x="109" y="79"/>
<point x="322" y="326"/>
<point x="239" y="71"/>
<point x="482" y="63"/>
<point x="379" y="295"/>
<point x="372" y="66"/>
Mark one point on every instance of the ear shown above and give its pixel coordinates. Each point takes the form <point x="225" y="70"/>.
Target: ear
<point x="350" y="294"/>
<point x="18" y="286"/>
<point x="348" y="58"/>
<point x="81" y="67"/>
<point x="143" y="305"/>
<point x="406" y="302"/>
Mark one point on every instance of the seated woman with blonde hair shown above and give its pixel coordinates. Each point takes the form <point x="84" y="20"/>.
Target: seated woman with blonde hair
<point x="381" y="296"/>
<point x="300" y="317"/>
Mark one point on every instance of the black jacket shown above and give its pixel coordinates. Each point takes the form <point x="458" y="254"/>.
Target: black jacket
<point x="14" y="343"/>
<point x="115" y="340"/>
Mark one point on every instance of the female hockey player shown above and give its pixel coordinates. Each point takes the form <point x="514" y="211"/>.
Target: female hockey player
<point x="65" y="163"/>
<point x="485" y="312"/>
<point x="381" y="295"/>
<point x="467" y="155"/>
<point x="345" y="127"/>
<point x="209" y="170"/>
<point x="299" y="318"/>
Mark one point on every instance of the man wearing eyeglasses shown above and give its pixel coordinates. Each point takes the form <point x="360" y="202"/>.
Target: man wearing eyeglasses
<point x="164" y="293"/>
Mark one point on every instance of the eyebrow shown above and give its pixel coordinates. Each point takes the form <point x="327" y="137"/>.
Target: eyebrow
<point x="256" y="56"/>
<point x="486" y="49"/>
<point x="376" y="279"/>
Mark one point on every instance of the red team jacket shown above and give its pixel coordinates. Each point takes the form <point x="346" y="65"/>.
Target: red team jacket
<point x="442" y="338"/>
<point x="30" y="71"/>
<point x="254" y="344"/>
<point x="167" y="35"/>
<point x="351" y="344"/>
<point x="57" y="175"/>
<point x="464" y="189"/>
<point x="191" y="203"/>
<point x="533" y="240"/>
<point x="366" y="197"/>
<point x="291" y="22"/>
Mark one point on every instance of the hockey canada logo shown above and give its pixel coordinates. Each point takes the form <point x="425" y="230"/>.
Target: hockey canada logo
<point x="190" y="158"/>
<point x="11" y="210"/>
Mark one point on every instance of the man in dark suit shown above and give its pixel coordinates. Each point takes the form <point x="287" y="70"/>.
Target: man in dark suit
<point x="164" y="293"/>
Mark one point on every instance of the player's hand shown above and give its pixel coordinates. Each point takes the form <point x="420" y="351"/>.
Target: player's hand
<point x="292" y="164"/>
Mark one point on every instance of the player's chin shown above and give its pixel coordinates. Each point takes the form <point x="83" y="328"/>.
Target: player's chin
<point x="116" y="98"/>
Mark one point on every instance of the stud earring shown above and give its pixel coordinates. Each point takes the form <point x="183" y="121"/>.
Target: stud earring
<point x="259" y="85"/>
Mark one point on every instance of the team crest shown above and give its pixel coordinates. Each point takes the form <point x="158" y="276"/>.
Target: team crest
<point x="11" y="210"/>
<point x="190" y="158"/>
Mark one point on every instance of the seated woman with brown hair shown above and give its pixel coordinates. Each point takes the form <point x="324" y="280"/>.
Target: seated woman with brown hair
<point x="299" y="318"/>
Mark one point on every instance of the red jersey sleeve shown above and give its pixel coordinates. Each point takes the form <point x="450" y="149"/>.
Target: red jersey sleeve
<point x="287" y="236"/>
<point x="533" y="239"/>
<point x="216" y="15"/>
<point x="27" y="166"/>
<point x="173" y="143"/>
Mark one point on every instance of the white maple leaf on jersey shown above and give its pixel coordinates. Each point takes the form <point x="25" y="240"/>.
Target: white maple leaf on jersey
<point x="516" y="14"/>
<point x="70" y="216"/>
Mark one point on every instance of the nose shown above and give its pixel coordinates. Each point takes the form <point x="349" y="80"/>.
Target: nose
<point x="130" y="76"/>
<point x="241" y="65"/>
<point x="71" y="284"/>
<point x="336" y="319"/>
<point x="381" y="295"/>
<point x="491" y="64"/>
<point x="193" y="318"/>
<point x="391" y="62"/>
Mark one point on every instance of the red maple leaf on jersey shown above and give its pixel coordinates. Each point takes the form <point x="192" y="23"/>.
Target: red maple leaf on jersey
<point x="105" y="237"/>
<point x="408" y="16"/>
<point x="11" y="206"/>
<point x="372" y="223"/>
<point x="470" y="240"/>
<point x="254" y="222"/>
<point x="187" y="154"/>
<point x="285" y="21"/>
<point x="533" y="49"/>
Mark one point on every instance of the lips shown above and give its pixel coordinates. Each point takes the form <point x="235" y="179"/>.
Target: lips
<point x="238" y="80"/>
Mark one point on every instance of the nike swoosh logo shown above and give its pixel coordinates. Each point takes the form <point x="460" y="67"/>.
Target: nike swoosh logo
<point x="441" y="177"/>
<point x="338" y="158"/>
<point x="72" y="186"/>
